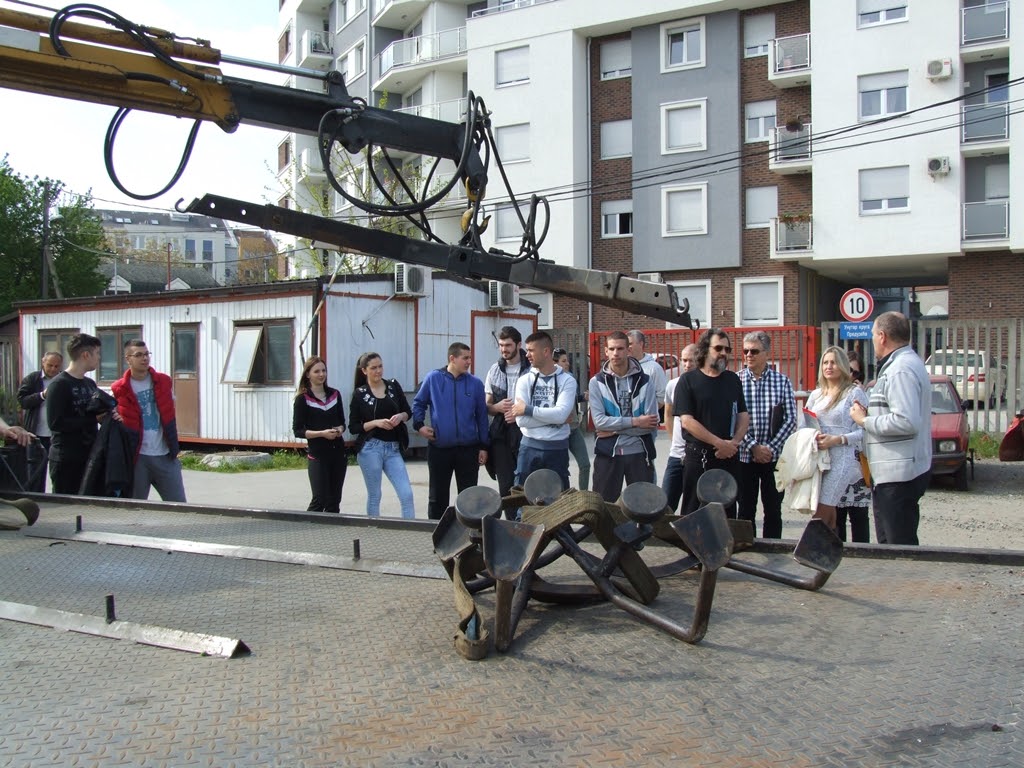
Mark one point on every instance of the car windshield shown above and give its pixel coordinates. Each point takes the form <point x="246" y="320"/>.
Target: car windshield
<point x="944" y="399"/>
<point x="950" y="360"/>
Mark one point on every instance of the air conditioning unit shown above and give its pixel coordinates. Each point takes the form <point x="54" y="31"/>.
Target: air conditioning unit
<point x="410" y="280"/>
<point x="651" y="277"/>
<point x="938" y="166"/>
<point x="502" y="295"/>
<point x="939" y="69"/>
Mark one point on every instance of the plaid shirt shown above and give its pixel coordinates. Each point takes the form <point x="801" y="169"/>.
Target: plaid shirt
<point x="762" y="395"/>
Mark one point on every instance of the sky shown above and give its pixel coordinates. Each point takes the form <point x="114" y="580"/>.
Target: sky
<point x="62" y="139"/>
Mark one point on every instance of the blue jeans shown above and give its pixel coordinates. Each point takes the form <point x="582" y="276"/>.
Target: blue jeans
<point x="537" y="458"/>
<point x="383" y="456"/>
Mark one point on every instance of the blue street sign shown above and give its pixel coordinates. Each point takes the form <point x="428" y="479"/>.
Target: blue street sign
<point x="855" y="330"/>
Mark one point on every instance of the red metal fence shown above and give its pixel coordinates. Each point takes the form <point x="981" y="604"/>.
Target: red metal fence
<point x="794" y="352"/>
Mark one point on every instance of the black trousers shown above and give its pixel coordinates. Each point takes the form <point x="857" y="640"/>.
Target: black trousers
<point x="756" y="478"/>
<point x="897" y="509"/>
<point x="37" y="458"/>
<point x="695" y="465"/>
<point x="442" y="463"/>
<point x="611" y="471"/>
<point x="66" y="474"/>
<point x="860" y="526"/>
<point x="504" y="462"/>
<point x="326" y="478"/>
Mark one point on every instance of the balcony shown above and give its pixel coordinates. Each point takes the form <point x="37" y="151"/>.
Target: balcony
<point x="508" y="5"/>
<point x="310" y="166"/>
<point x="985" y="129"/>
<point x="789" y="151"/>
<point x="986" y="22"/>
<point x="789" y="61"/>
<point x="395" y="14"/>
<point x="315" y="50"/>
<point x="986" y="220"/>
<point x="441" y="50"/>
<point x="791" y="236"/>
<point x="452" y="111"/>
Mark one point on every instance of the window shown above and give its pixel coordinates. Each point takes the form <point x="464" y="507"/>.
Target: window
<point x="616" y="59"/>
<point x="513" y="142"/>
<point x="284" y="155"/>
<point x="284" y="45"/>
<point x="759" y="119"/>
<point x="260" y="353"/>
<point x="616" y="139"/>
<point x="512" y="66"/>
<point x="56" y="341"/>
<point x="545" y="317"/>
<point x="684" y="210"/>
<point x="348" y="10"/>
<point x="682" y="44"/>
<point x="208" y="250"/>
<point x="508" y="226"/>
<point x="683" y="127"/>
<point x="112" y="362"/>
<point x="698" y="293"/>
<point x="617" y="218"/>
<point x="762" y="206"/>
<point x="759" y="301"/>
<point x="871" y="12"/>
<point x="758" y="32"/>
<point x="997" y="182"/>
<point x="883" y="94"/>
<point x="353" y="61"/>
<point x="190" y="249"/>
<point x="885" y="189"/>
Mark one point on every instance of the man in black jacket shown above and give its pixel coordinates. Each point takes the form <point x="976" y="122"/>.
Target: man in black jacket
<point x="32" y="399"/>
<point x="500" y="388"/>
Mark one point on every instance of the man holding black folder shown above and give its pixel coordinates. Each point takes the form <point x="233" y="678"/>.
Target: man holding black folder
<point x="772" y="408"/>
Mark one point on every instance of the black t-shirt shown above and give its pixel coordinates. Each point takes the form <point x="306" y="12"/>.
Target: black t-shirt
<point x="73" y="429"/>
<point x="714" y="401"/>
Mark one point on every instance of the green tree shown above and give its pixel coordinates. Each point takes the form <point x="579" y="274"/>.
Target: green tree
<point x="76" y="238"/>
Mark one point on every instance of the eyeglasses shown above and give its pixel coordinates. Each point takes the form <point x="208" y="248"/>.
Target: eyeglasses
<point x="721" y="348"/>
<point x="751" y="351"/>
<point x="140" y="354"/>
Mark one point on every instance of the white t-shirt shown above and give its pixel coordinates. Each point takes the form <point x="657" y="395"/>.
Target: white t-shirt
<point x="153" y="443"/>
<point x="678" y="444"/>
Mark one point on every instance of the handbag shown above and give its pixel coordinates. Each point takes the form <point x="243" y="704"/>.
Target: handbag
<point x="865" y="468"/>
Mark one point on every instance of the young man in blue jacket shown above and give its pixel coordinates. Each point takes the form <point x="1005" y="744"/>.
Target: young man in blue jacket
<point x="458" y="431"/>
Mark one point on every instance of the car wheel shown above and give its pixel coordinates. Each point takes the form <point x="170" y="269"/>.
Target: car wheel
<point x="960" y="478"/>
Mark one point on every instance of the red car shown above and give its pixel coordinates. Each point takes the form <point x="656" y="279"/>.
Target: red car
<point x="950" y="434"/>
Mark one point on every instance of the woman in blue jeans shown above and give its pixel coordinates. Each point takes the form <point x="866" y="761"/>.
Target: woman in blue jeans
<point x="377" y="416"/>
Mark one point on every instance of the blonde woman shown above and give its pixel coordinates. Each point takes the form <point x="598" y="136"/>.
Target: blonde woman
<point x="838" y="434"/>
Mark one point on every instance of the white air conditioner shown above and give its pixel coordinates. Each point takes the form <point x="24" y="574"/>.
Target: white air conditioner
<point x="651" y="277"/>
<point x="410" y="280"/>
<point x="939" y="69"/>
<point x="502" y="295"/>
<point x="938" y="166"/>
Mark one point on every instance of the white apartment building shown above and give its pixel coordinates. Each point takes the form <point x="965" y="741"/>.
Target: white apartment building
<point x="674" y="138"/>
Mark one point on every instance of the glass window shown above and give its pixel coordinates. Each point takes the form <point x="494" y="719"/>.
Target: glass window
<point x="684" y="210"/>
<point x="698" y="293"/>
<point x="507" y="224"/>
<point x="759" y="119"/>
<point x="616" y="218"/>
<point x="190" y="249"/>
<point x="616" y="138"/>
<point x="885" y="189"/>
<point x="870" y="12"/>
<point x="260" y="353"/>
<point x="759" y="301"/>
<point x="616" y="59"/>
<point x="112" y="362"/>
<point x="513" y="142"/>
<point x="762" y="205"/>
<point x="56" y="341"/>
<point x="683" y="127"/>
<point x="512" y="66"/>
<point x="682" y="44"/>
<point x="758" y="32"/>
<point x="882" y="95"/>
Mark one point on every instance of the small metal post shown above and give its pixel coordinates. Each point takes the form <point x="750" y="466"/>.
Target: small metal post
<point x="78" y="523"/>
<point x="111" y="617"/>
<point x="355" y="549"/>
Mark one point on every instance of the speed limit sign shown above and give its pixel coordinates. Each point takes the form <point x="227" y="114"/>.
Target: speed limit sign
<point x="856" y="305"/>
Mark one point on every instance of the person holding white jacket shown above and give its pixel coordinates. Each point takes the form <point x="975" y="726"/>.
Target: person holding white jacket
<point x="544" y="398"/>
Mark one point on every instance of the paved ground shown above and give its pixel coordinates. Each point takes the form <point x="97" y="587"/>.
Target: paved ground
<point x="894" y="662"/>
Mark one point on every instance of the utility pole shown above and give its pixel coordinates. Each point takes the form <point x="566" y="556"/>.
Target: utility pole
<point x="44" y="286"/>
<point x="168" y="265"/>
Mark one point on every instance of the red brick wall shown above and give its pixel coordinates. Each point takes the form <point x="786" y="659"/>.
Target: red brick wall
<point x="985" y="286"/>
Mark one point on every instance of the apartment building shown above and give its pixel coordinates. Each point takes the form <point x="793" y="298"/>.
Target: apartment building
<point x="761" y="156"/>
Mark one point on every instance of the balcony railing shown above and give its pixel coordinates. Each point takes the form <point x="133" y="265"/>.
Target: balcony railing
<point x="309" y="163"/>
<point x="984" y="23"/>
<point x="987" y="220"/>
<point x="792" y="53"/>
<point x="451" y="111"/>
<point x="316" y="43"/>
<point x="793" y="235"/>
<point x="509" y="5"/>
<point x="789" y="145"/>
<point x="422" y="49"/>
<point x="986" y="122"/>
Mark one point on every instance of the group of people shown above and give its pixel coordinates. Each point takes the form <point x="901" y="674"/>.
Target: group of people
<point x="92" y="443"/>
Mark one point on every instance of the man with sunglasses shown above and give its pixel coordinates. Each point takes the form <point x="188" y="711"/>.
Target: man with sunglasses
<point x="145" y="400"/>
<point x="713" y="415"/>
<point x="772" y="408"/>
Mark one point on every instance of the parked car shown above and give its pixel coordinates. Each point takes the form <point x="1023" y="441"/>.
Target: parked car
<point x="670" y="363"/>
<point x="977" y="377"/>
<point x="950" y="433"/>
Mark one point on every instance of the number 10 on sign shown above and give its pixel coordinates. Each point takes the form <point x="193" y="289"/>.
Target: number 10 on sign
<point x="856" y="305"/>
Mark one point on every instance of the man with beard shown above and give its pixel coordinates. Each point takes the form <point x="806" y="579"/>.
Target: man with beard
<point x="500" y="388"/>
<point x="713" y="415"/>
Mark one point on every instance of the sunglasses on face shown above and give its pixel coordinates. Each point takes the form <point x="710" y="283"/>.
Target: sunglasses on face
<point x="751" y="351"/>
<point x="721" y="348"/>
